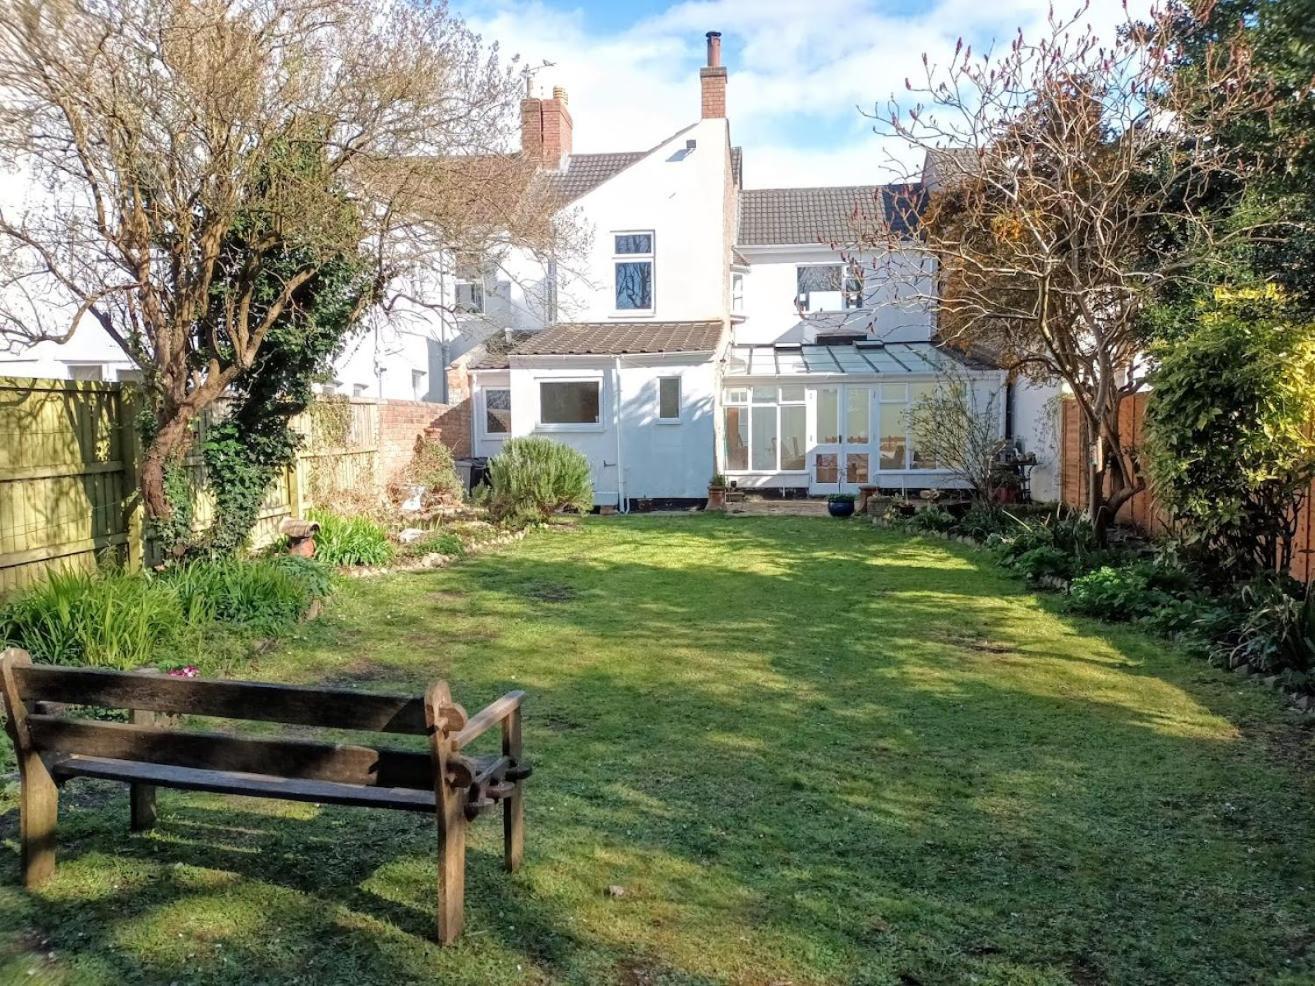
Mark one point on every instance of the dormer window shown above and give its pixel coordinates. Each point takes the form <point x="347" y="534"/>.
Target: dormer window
<point x="853" y="286"/>
<point x="632" y="263"/>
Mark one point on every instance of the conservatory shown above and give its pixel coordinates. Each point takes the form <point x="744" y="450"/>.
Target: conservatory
<point x="834" y="417"/>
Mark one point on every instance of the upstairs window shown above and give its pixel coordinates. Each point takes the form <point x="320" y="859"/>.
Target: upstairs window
<point x="470" y="296"/>
<point x="819" y="287"/>
<point x="737" y="293"/>
<point x="632" y="256"/>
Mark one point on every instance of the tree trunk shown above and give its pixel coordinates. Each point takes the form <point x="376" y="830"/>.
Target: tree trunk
<point x="170" y="437"/>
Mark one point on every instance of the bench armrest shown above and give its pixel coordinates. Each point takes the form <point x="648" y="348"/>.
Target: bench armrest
<point x="488" y="717"/>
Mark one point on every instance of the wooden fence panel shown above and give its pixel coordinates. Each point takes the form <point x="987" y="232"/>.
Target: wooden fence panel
<point x="68" y="475"/>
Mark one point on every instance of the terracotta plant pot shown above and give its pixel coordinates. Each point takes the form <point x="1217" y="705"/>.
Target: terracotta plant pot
<point x="716" y="498"/>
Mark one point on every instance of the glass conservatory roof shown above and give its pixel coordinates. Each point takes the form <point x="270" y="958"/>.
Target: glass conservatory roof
<point x="863" y="357"/>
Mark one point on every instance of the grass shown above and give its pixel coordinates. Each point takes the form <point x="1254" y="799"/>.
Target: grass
<point x="811" y="753"/>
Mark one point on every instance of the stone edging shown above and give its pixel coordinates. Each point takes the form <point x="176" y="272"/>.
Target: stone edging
<point x="435" y="559"/>
<point x="1297" y="700"/>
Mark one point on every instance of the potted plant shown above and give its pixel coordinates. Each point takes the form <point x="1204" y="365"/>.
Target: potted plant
<point x="840" y="504"/>
<point x="717" y="492"/>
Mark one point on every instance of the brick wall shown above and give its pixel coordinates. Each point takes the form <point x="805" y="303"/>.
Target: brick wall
<point x="401" y="422"/>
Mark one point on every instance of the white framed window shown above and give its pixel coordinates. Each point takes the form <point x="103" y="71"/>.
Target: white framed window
<point x="632" y="269"/>
<point x="737" y="293"/>
<point x="360" y="389"/>
<point x="668" y="411"/>
<point x="571" y="405"/>
<point x="497" y="412"/>
<point x="129" y="376"/>
<point x="766" y="429"/>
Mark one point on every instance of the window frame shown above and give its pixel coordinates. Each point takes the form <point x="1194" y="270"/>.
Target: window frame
<point x="802" y="298"/>
<point x="680" y="399"/>
<point x="478" y="285"/>
<point x="484" y="433"/>
<point x="737" y="294"/>
<point x="544" y="426"/>
<point x="752" y="410"/>
<point x="649" y="258"/>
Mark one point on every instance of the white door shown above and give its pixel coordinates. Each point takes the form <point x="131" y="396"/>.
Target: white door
<point x="840" y="457"/>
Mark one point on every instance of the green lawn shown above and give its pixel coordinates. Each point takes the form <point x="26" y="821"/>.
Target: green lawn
<point x="809" y="751"/>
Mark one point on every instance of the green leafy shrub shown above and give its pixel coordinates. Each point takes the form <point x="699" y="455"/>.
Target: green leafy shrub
<point x="933" y="519"/>
<point x="1041" y="561"/>
<point x="350" y="540"/>
<point x="1229" y="449"/>
<point x="436" y="543"/>
<point x="1117" y="594"/>
<point x="982" y="520"/>
<point x="535" y="477"/>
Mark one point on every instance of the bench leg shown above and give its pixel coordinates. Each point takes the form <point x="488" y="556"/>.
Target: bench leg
<point x="141" y="797"/>
<point x="513" y="807"/>
<point x="451" y="866"/>
<point x="38" y="810"/>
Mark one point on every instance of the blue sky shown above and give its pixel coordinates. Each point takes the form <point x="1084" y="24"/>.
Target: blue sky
<point x="799" y="70"/>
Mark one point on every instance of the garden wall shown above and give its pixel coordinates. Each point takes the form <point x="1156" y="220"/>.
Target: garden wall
<point x="1142" y="511"/>
<point x="68" y="460"/>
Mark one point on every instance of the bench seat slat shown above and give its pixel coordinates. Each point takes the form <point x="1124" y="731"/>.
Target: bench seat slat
<point x="290" y="758"/>
<point x="338" y="708"/>
<point x="250" y="785"/>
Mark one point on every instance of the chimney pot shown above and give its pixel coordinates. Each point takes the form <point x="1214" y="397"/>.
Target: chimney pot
<point x="714" y="49"/>
<point x="559" y="94"/>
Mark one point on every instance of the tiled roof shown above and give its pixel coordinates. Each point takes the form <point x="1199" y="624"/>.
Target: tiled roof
<point x="585" y="172"/>
<point x="622" y="338"/>
<point x="491" y="354"/>
<point x="836" y="214"/>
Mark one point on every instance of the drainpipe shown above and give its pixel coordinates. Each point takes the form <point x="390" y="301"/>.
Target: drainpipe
<point x="620" y="460"/>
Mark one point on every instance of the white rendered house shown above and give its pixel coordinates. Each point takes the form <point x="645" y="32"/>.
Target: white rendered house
<point x="719" y="329"/>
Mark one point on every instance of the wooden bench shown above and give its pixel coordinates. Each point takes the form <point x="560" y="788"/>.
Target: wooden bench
<point x="152" y="752"/>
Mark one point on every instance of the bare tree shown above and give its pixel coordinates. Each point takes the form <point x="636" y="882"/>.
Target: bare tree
<point x="160" y="133"/>
<point x="1067" y="182"/>
<point x="960" y="428"/>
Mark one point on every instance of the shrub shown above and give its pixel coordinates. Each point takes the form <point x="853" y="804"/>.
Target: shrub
<point x="1230" y="452"/>
<point x="534" y="478"/>
<point x="1278" y="630"/>
<point x="438" y="542"/>
<point x="933" y="519"/>
<point x="1117" y="594"/>
<point x="1043" y="560"/>
<point x="983" y="519"/>
<point x="432" y="467"/>
<point x="350" y="540"/>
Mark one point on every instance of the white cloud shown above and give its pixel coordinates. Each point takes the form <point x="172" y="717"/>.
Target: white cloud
<point x="799" y="72"/>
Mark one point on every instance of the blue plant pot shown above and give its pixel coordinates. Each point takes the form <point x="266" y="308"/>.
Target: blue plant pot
<point x="840" y="508"/>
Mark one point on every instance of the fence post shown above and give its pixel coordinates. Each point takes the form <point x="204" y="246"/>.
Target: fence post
<point x="130" y="405"/>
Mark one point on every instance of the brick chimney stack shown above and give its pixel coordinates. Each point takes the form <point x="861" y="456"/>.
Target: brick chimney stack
<point x="712" y="80"/>
<point x="546" y="129"/>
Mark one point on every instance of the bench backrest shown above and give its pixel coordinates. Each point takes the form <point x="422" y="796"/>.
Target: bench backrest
<point x="334" y="708"/>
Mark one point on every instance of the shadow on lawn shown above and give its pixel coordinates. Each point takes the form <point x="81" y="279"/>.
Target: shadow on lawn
<point x="899" y="772"/>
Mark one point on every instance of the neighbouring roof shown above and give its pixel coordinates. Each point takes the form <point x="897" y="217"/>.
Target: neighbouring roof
<point x="585" y="172"/>
<point x="491" y="354"/>
<point x="834" y="214"/>
<point x="866" y="357"/>
<point x="622" y="338"/>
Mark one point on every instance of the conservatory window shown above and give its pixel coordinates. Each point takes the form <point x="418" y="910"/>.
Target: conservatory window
<point x="894" y="423"/>
<point x="766" y="429"/>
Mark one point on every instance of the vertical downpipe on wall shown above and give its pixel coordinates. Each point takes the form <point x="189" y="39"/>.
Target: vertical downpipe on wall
<point x="621" y="505"/>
